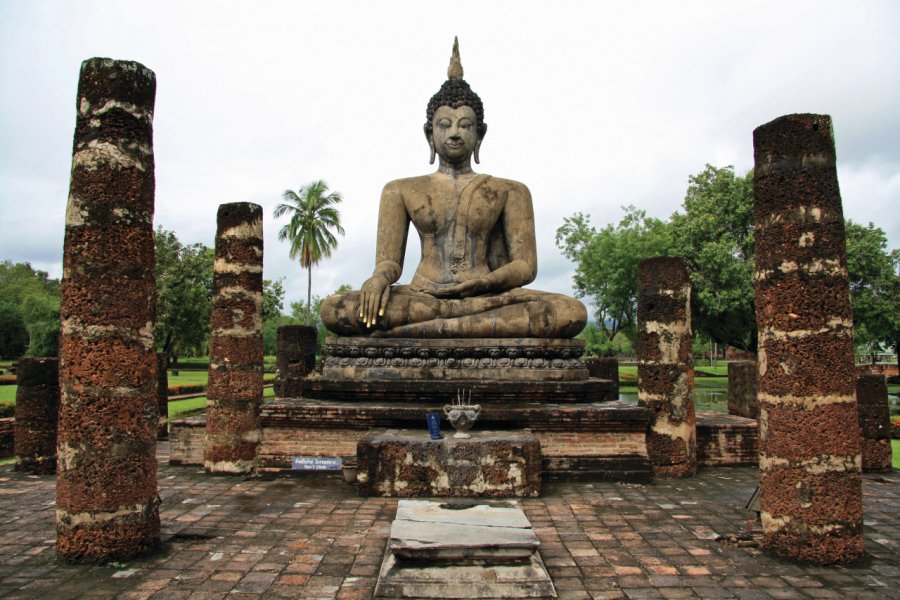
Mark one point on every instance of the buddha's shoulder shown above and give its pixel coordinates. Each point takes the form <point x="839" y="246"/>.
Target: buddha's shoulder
<point x="409" y="184"/>
<point x="508" y="185"/>
<point x="428" y="182"/>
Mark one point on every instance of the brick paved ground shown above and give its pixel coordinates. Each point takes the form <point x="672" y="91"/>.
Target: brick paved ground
<point x="311" y="537"/>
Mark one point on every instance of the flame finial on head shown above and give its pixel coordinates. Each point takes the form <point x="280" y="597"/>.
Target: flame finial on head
<point x="455" y="70"/>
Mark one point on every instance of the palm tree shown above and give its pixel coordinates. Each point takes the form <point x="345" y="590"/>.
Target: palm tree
<point x="314" y="218"/>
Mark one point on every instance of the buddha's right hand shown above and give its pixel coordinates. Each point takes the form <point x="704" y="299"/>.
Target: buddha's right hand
<point x="373" y="299"/>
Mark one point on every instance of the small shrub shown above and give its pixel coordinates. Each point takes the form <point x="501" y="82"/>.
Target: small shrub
<point x="895" y="427"/>
<point x="7" y="380"/>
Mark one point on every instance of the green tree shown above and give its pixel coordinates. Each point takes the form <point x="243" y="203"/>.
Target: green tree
<point x="606" y="263"/>
<point x="184" y="295"/>
<point x="314" y="219"/>
<point x="597" y="344"/>
<point x="13" y="333"/>
<point x="31" y="311"/>
<point x="273" y="304"/>
<point x="874" y="287"/>
<point x="715" y="235"/>
<point x="273" y="298"/>
<point x="41" y="316"/>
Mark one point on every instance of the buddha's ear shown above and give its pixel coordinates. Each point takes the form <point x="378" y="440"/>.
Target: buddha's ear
<point x="482" y="131"/>
<point x="430" y="137"/>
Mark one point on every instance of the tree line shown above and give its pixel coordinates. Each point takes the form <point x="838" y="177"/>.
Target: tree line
<point x="29" y="304"/>
<point x="713" y="231"/>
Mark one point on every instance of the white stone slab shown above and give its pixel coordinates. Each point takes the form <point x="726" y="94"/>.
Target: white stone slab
<point x="457" y="531"/>
<point x="497" y="513"/>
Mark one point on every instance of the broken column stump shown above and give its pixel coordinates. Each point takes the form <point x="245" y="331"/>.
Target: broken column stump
<point x="604" y="367"/>
<point x="295" y="358"/>
<point x="235" y="388"/>
<point x="666" y="366"/>
<point x="742" y="394"/>
<point x="810" y="480"/>
<point x="162" y="396"/>
<point x="37" y="406"/>
<point x="107" y="506"/>
<point x="874" y="423"/>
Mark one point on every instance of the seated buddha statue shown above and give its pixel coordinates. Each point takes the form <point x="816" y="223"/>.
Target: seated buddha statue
<point x="478" y="246"/>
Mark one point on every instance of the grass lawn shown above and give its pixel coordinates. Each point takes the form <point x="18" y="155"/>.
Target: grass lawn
<point x="8" y="392"/>
<point x="895" y="453"/>
<point x="179" y="407"/>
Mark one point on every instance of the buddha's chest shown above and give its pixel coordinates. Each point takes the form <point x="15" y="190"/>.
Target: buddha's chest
<point x="440" y="211"/>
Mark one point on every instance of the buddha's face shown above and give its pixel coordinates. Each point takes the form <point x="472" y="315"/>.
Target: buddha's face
<point x="454" y="133"/>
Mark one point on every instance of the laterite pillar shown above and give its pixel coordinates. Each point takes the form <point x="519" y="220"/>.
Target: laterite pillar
<point x="743" y="399"/>
<point x="810" y="479"/>
<point x="107" y="507"/>
<point x="162" y="396"/>
<point x="874" y="423"/>
<point x="235" y="388"/>
<point x="666" y="365"/>
<point x="295" y="358"/>
<point x="37" y="406"/>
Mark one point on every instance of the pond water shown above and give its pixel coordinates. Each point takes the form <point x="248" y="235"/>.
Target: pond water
<point x="706" y="401"/>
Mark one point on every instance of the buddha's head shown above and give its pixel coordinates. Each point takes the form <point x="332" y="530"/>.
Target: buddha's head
<point x="455" y="116"/>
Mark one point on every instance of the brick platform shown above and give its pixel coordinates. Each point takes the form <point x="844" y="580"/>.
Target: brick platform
<point x="408" y="464"/>
<point x="605" y="441"/>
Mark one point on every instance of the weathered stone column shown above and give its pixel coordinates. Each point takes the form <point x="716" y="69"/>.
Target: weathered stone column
<point x="810" y="480"/>
<point x="742" y="394"/>
<point x="162" y="396"/>
<point x="107" y="507"/>
<point x="37" y="406"/>
<point x="235" y="387"/>
<point x="874" y="423"/>
<point x="295" y="358"/>
<point x="666" y="366"/>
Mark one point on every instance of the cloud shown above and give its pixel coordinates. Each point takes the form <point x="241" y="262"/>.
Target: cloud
<point x="593" y="106"/>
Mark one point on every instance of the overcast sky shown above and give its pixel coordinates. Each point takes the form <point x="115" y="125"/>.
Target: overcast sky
<point x="592" y="105"/>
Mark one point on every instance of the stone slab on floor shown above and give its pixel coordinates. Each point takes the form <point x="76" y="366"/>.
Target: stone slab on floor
<point x="409" y="464"/>
<point x="436" y="530"/>
<point x="458" y="582"/>
<point x="468" y="549"/>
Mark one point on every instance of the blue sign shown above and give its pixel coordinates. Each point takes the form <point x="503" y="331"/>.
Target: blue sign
<point x="317" y="463"/>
